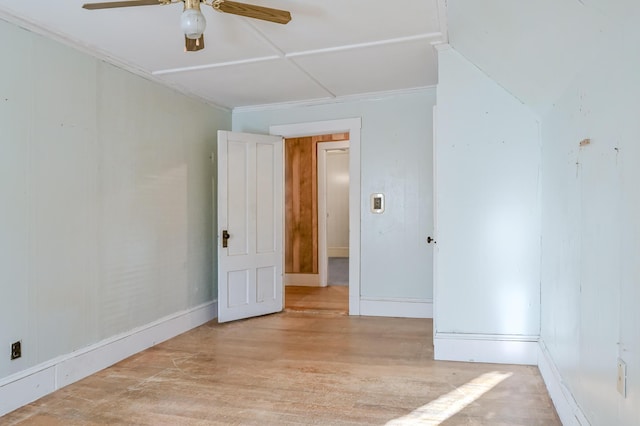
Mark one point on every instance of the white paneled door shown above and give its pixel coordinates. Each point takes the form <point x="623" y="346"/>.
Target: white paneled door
<point x="250" y="225"/>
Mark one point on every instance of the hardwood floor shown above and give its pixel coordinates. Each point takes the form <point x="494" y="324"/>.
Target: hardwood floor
<point x="332" y="299"/>
<point x="295" y="368"/>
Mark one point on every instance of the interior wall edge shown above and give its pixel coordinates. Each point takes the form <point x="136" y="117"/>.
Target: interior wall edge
<point x="566" y="406"/>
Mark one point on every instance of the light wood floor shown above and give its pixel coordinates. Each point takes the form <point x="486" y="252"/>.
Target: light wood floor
<point x="295" y="368"/>
<point x="332" y="299"/>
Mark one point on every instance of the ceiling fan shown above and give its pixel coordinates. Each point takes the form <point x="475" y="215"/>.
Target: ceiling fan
<point x="192" y="21"/>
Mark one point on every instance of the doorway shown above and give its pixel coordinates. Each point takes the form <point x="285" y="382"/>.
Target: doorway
<point x="317" y="223"/>
<point x="333" y="213"/>
<point x="352" y="126"/>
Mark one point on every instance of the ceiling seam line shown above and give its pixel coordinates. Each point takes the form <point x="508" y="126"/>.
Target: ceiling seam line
<point x="312" y="78"/>
<point x="218" y="65"/>
<point x="284" y="56"/>
<point x="364" y="45"/>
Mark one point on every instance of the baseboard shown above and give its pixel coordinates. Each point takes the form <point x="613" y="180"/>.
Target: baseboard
<point x="302" y="280"/>
<point x="566" y="406"/>
<point x="491" y="348"/>
<point x="338" y="252"/>
<point x="401" y="308"/>
<point x="35" y="382"/>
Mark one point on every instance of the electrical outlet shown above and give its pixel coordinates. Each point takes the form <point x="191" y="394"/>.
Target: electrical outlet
<point x="622" y="378"/>
<point x="16" y="349"/>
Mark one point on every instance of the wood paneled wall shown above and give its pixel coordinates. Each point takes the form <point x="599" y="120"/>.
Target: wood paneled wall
<point x="301" y="202"/>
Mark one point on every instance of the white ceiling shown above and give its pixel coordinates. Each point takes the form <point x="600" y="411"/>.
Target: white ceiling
<point x="535" y="49"/>
<point x="330" y="49"/>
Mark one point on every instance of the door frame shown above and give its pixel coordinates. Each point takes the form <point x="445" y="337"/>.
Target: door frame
<point x="435" y="222"/>
<point x="323" y="228"/>
<point x="353" y="126"/>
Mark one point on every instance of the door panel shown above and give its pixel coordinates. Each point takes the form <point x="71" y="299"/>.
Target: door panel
<point x="237" y="179"/>
<point x="250" y="201"/>
<point x="265" y="199"/>
<point x="266" y="284"/>
<point x="238" y="285"/>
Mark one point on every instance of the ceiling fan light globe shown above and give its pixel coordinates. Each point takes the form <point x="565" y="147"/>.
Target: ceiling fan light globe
<point x="192" y="23"/>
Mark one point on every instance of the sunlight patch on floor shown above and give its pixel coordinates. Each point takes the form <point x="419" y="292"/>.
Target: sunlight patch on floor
<point x="439" y="410"/>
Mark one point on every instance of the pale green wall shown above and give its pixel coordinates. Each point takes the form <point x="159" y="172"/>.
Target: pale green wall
<point x="396" y="159"/>
<point x="105" y="199"/>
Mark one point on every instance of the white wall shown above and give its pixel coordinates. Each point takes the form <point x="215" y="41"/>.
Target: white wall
<point x="105" y="200"/>
<point x="488" y="215"/>
<point x="580" y="72"/>
<point x="591" y="229"/>
<point x="396" y="159"/>
<point x="338" y="203"/>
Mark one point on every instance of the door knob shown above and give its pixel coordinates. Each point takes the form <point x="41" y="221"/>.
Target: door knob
<point x="430" y="240"/>
<point x="225" y="238"/>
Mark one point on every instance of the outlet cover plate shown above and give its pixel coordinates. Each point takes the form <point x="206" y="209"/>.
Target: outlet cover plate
<point x="16" y="350"/>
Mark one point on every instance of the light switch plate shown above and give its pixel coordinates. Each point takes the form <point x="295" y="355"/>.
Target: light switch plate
<point x="377" y="203"/>
<point x="622" y="378"/>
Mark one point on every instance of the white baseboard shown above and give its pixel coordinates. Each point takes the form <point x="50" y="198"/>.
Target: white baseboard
<point x="35" y="382"/>
<point x="401" y="308"/>
<point x="491" y="348"/>
<point x="568" y="410"/>
<point x="338" y="252"/>
<point x="302" y="280"/>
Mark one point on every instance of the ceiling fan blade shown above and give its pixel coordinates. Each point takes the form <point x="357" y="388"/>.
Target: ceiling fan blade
<point x="112" y="4"/>
<point x="191" y="45"/>
<point x="253" y="11"/>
